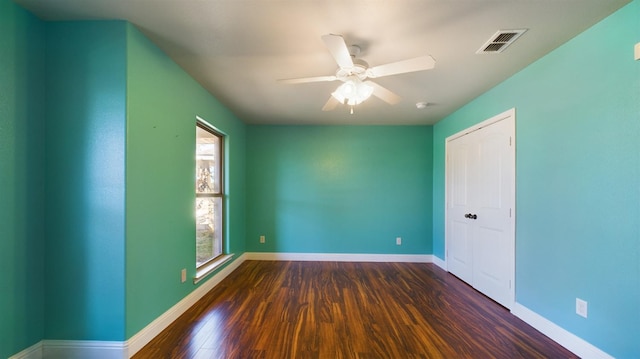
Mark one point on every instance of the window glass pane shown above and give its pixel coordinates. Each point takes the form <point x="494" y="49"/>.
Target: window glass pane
<point x="209" y="194"/>
<point x="208" y="162"/>
<point x="208" y="228"/>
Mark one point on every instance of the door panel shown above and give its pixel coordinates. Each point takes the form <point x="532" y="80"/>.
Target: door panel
<point x="492" y="244"/>
<point x="457" y="181"/>
<point x="490" y="167"/>
<point x="460" y="251"/>
<point x="491" y="273"/>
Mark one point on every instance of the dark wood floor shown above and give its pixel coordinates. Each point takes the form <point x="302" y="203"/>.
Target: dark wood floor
<point x="347" y="310"/>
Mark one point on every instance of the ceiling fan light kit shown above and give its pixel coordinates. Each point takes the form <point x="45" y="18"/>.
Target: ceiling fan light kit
<point x="354" y="72"/>
<point x="352" y="92"/>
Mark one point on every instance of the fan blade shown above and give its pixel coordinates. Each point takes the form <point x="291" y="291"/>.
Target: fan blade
<point x="303" y="80"/>
<point x="401" y="67"/>
<point x="331" y="104"/>
<point x="383" y="94"/>
<point x="338" y="49"/>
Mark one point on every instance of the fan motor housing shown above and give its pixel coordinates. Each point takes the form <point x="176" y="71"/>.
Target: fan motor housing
<point x="359" y="69"/>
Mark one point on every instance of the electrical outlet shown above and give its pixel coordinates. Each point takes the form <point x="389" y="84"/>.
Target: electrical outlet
<point x="398" y="241"/>
<point x="581" y="307"/>
<point x="636" y="51"/>
<point x="262" y="239"/>
<point x="183" y="275"/>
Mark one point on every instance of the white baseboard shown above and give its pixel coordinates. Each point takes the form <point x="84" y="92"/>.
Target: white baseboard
<point x="575" y="344"/>
<point x="339" y="257"/>
<point x="32" y="352"/>
<point x="439" y="262"/>
<point x="81" y="349"/>
<point x="144" y="336"/>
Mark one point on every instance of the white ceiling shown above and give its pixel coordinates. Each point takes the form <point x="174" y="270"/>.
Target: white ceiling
<point x="237" y="49"/>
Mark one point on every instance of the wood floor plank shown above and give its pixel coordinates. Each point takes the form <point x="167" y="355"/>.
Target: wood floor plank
<point x="280" y="310"/>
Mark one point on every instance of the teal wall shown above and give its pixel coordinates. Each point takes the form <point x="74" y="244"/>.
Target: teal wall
<point x="97" y="196"/>
<point x="578" y="165"/>
<point x="85" y="144"/>
<point x="21" y="179"/>
<point x="162" y="105"/>
<point x="339" y="189"/>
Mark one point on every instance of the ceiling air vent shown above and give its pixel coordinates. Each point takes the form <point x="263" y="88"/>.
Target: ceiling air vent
<point x="500" y="41"/>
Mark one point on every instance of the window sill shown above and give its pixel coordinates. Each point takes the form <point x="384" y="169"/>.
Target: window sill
<point x="204" y="271"/>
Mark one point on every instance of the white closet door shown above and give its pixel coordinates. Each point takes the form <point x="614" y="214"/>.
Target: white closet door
<point x="480" y="196"/>
<point x="459" y="228"/>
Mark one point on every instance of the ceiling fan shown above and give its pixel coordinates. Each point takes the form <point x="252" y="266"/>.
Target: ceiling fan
<point x="354" y="72"/>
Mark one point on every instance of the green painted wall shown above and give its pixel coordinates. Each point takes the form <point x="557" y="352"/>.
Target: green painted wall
<point x="162" y="105"/>
<point x="578" y="165"/>
<point x="339" y="189"/>
<point x="98" y="164"/>
<point x="85" y="147"/>
<point x="21" y="179"/>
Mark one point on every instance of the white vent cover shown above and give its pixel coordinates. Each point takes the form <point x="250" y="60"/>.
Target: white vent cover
<point x="500" y="41"/>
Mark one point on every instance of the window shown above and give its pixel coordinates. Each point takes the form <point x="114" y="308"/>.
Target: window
<point x="209" y="194"/>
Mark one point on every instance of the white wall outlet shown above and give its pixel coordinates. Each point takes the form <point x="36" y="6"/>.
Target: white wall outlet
<point x="399" y="241"/>
<point x="262" y="239"/>
<point x="636" y="52"/>
<point x="581" y="307"/>
<point x="183" y="275"/>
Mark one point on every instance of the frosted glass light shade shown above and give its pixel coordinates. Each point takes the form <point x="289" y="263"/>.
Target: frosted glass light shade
<point x="352" y="92"/>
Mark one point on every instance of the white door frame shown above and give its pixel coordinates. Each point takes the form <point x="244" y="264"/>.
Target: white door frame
<point x="509" y="113"/>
